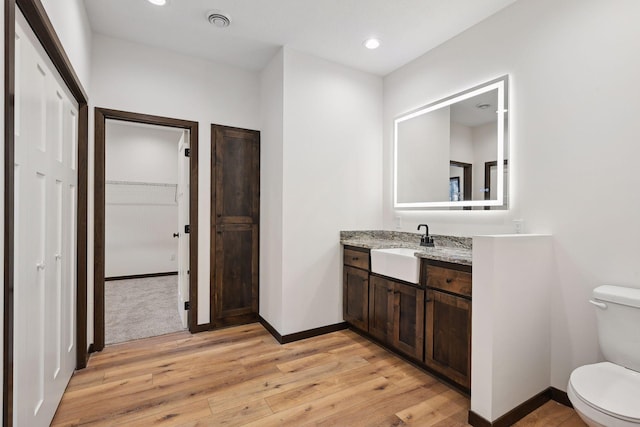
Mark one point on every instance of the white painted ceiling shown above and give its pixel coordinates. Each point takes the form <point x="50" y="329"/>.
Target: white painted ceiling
<point x="331" y="29"/>
<point x="467" y="113"/>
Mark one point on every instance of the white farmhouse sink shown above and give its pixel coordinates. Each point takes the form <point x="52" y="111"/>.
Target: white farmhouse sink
<point x="399" y="263"/>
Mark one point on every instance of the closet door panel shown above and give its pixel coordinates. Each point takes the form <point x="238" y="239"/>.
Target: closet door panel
<point x="236" y="269"/>
<point x="236" y="175"/>
<point x="235" y="204"/>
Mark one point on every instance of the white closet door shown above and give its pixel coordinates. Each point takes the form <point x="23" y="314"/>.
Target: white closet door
<point x="183" y="219"/>
<point x="45" y="233"/>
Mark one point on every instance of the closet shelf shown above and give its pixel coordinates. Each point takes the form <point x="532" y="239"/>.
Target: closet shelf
<point x="136" y="193"/>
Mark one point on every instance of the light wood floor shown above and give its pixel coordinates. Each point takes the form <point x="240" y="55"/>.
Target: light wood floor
<point x="242" y="376"/>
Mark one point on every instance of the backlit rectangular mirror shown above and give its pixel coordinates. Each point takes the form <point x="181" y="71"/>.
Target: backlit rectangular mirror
<point x="453" y="153"/>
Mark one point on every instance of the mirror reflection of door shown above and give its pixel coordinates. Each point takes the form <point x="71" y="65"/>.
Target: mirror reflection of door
<point x="465" y="172"/>
<point x="146" y="247"/>
<point x="491" y="182"/>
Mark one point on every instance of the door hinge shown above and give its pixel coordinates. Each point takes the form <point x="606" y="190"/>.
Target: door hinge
<point x="187" y="152"/>
<point x="187" y="306"/>
<point x="187" y="229"/>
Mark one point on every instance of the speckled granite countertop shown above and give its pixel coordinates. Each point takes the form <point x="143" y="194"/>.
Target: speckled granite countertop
<point x="447" y="248"/>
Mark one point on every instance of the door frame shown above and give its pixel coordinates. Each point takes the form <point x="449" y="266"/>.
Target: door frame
<point x="468" y="178"/>
<point x="487" y="179"/>
<point x="36" y="16"/>
<point x="101" y="115"/>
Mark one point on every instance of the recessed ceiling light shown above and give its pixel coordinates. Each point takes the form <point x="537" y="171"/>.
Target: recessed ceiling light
<point x="158" y="2"/>
<point x="372" y="43"/>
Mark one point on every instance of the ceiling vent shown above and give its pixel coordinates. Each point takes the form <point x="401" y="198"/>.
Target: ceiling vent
<point x="219" y="19"/>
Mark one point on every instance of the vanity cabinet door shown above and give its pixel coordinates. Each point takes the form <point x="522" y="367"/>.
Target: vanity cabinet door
<point x="380" y="308"/>
<point x="396" y="315"/>
<point x="408" y="320"/>
<point x="355" y="293"/>
<point x="448" y="336"/>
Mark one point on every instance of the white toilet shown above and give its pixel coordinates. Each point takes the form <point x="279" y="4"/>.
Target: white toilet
<point x="608" y="393"/>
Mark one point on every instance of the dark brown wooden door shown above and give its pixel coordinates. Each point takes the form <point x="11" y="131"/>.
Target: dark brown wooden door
<point x="380" y="307"/>
<point x="236" y="271"/>
<point x="356" y="297"/>
<point x="235" y="201"/>
<point x="448" y="336"/>
<point x="236" y="175"/>
<point x="408" y="320"/>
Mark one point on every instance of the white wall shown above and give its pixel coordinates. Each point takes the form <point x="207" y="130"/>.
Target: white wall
<point x="142" y="79"/>
<point x="69" y="18"/>
<point x="271" y="186"/>
<point x="511" y="321"/>
<point x="574" y="130"/>
<point x="331" y="181"/>
<point x="140" y="221"/>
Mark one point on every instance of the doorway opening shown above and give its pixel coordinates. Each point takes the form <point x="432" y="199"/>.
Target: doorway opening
<point x="146" y="205"/>
<point x="145" y="226"/>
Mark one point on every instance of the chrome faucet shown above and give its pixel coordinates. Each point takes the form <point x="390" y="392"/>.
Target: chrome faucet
<point x="426" y="240"/>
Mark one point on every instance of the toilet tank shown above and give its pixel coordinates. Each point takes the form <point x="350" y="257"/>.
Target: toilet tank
<point x="619" y="324"/>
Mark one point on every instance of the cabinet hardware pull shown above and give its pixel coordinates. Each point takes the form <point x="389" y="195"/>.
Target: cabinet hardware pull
<point x="449" y="280"/>
<point x="355" y="258"/>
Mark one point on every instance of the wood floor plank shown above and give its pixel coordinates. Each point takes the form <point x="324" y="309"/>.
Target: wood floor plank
<point x="309" y="412"/>
<point x="242" y="376"/>
<point x="172" y="362"/>
<point x="78" y="403"/>
<point x="312" y="390"/>
<point x="85" y="378"/>
<point x="550" y="414"/>
<point x="242" y="414"/>
<point x="573" y="421"/>
<point x="268" y="386"/>
<point x="180" y="414"/>
<point x="382" y="411"/>
<point x="434" y="409"/>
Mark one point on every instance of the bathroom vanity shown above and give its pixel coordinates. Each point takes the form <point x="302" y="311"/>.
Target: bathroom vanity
<point x="429" y="322"/>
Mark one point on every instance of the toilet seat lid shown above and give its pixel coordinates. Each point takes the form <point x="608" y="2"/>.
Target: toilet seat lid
<point x="609" y="388"/>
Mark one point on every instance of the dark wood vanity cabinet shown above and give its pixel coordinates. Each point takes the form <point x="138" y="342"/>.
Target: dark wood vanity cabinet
<point x="408" y="320"/>
<point x="448" y="322"/>
<point x="355" y="288"/>
<point x="380" y="307"/>
<point x="396" y="315"/>
<point x="355" y="295"/>
<point x="429" y="322"/>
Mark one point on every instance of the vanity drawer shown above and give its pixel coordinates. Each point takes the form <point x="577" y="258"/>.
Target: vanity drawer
<point x="457" y="282"/>
<point x="358" y="259"/>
